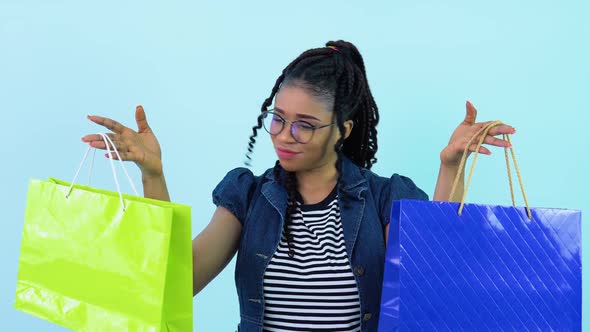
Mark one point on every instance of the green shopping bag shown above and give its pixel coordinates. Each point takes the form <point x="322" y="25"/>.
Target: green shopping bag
<point x="96" y="260"/>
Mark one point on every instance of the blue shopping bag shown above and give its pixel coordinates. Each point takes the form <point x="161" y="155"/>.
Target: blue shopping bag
<point x="489" y="269"/>
<point x="471" y="267"/>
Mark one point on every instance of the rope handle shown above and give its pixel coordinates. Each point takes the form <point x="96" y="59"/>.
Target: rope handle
<point x="109" y="144"/>
<point x="484" y="132"/>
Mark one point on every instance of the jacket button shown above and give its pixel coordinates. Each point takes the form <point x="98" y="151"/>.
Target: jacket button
<point x="366" y="317"/>
<point x="359" y="271"/>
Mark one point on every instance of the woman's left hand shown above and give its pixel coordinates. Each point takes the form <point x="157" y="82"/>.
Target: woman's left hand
<point x="452" y="153"/>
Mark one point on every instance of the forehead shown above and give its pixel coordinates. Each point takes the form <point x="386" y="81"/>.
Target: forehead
<point x="293" y="100"/>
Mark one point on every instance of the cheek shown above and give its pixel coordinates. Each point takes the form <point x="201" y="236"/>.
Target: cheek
<point x="331" y="140"/>
<point x="322" y="147"/>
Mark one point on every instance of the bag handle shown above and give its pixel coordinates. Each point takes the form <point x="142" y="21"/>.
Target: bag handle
<point x="484" y="132"/>
<point x="108" y="143"/>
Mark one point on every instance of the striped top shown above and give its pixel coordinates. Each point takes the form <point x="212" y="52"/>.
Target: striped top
<point x="316" y="289"/>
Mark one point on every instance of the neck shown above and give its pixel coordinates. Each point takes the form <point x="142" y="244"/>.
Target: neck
<point x="317" y="179"/>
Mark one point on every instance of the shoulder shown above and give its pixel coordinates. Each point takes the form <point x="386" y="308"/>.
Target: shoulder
<point x="243" y="180"/>
<point x="395" y="187"/>
<point x="237" y="188"/>
<point x="385" y="190"/>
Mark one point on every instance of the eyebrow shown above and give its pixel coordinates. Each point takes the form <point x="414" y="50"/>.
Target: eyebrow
<point x="299" y="115"/>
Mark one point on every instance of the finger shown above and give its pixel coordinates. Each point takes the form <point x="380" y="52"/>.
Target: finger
<point x="474" y="134"/>
<point x="480" y="126"/>
<point x="98" y="145"/>
<point x="91" y="138"/>
<point x="482" y="149"/>
<point x="97" y="137"/>
<point x="112" y="145"/>
<point x="97" y="141"/>
<point x="502" y="129"/>
<point x="125" y="156"/>
<point x="102" y="146"/>
<point x="470" y="113"/>
<point x="141" y="119"/>
<point x="110" y="124"/>
<point x="491" y="140"/>
<point x="114" y="156"/>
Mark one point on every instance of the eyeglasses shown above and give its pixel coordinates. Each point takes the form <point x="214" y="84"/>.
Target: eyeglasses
<point x="301" y="131"/>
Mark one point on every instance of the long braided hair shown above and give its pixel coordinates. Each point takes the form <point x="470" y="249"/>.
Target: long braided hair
<point x="334" y="74"/>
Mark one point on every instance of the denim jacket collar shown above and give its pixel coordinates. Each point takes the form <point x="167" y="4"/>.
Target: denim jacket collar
<point x="352" y="185"/>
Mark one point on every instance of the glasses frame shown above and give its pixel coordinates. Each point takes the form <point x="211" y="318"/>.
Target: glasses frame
<point x="307" y="125"/>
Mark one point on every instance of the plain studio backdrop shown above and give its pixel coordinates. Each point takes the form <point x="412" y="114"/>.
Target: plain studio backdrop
<point x="202" y="70"/>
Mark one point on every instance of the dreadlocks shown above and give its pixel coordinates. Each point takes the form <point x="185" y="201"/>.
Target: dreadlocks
<point x="334" y="74"/>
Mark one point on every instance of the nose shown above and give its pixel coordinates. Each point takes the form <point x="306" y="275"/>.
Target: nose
<point x="285" y="135"/>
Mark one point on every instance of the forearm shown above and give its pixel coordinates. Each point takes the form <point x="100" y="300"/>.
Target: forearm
<point x="155" y="187"/>
<point x="444" y="184"/>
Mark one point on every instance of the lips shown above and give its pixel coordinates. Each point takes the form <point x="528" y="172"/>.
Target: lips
<point x="286" y="153"/>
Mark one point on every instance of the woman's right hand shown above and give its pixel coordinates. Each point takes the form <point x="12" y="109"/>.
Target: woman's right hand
<point x="139" y="146"/>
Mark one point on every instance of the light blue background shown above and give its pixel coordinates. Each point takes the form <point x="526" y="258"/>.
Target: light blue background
<point x="202" y="69"/>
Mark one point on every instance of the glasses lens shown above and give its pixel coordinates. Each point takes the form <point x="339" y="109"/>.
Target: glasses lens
<point x="302" y="132"/>
<point x="273" y="123"/>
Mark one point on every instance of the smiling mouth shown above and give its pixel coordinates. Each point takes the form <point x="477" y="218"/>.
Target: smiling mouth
<point x="286" y="150"/>
<point x="286" y="154"/>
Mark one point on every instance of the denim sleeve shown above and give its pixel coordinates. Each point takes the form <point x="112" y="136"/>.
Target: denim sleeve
<point x="399" y="187"/>
<point x="234" y="192"/>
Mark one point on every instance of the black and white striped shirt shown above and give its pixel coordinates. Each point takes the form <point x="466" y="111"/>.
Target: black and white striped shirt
<point x="316" y="289"/>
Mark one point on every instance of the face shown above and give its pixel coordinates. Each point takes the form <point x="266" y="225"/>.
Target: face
<point x="296" y="103"/>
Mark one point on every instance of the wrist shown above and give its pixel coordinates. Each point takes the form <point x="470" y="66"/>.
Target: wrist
<point x="152" y="169"/>
<point x="152" y="176"/>
<point x="449" y="166"/>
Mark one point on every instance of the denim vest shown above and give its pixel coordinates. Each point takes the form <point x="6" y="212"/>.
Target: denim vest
<point x="260" y="203"/>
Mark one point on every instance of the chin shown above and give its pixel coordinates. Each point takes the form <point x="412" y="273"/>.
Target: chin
<point x="295" y="165"/>
<point x="289" y="165"/>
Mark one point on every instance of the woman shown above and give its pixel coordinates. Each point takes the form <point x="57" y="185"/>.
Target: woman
<point x="311" y="231"/>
